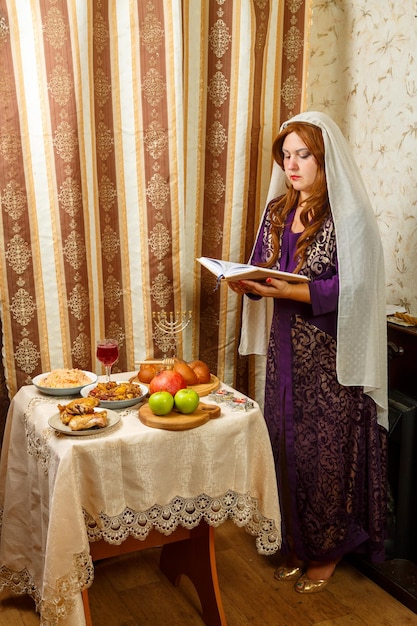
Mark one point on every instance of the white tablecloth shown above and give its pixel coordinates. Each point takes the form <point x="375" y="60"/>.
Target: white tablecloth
<point x="58" y="493"/>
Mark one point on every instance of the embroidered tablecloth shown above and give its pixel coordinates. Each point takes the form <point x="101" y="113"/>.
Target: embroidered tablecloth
<point x="59" y="492"/>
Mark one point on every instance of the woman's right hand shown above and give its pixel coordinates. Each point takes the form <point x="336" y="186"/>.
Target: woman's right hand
<point x="238" y="288"/>
<point x="273" y="288"/>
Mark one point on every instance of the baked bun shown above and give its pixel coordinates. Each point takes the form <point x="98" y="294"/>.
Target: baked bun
<point x="146" y="373"/>
<point x="186" y="372"/>
<point x="201" y="370"/>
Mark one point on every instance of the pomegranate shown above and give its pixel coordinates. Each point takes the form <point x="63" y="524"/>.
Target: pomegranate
<point x="167" y="380"/>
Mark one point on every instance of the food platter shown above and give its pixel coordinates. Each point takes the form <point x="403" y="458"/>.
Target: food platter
<point x="63" y="391"/>
<point x="118" y="404"/>
<point x="56" y="423"/>
<point x="178" y="421"/>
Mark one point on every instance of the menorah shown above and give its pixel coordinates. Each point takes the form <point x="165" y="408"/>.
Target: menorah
<point x="169" y="326"/>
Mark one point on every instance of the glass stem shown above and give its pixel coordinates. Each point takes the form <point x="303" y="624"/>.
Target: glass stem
<point x="108" y="372"/>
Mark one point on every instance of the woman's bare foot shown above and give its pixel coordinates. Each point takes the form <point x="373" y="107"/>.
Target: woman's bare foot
<point x="316" y="577"/>
<point x="319" y="570"/>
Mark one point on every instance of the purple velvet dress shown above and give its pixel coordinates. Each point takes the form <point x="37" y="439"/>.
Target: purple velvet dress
<point x="329" y="451"/>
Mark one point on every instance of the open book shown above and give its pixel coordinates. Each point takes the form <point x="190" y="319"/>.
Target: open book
<point x="225" y="270"/>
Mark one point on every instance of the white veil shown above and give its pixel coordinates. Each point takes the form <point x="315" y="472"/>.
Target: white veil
<point x="361" y="331"/>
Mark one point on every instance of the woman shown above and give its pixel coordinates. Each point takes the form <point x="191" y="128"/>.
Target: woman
<point x="326" y="397"/>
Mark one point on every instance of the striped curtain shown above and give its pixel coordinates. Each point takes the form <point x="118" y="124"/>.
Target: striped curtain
<point x="134" y="137"/>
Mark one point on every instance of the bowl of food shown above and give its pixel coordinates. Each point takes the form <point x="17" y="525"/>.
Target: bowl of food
<point x="64" y="381"/>
<point x="116" y="395"/>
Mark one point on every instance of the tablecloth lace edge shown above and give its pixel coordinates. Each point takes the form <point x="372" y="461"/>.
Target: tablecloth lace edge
<point x="243" y="509"/>
<point x="60" y="602"/>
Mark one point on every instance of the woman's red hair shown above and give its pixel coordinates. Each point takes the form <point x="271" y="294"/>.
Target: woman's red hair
<point x="316" y="208"/>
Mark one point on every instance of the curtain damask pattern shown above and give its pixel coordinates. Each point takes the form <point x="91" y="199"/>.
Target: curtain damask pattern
<point x="134" y="136"/>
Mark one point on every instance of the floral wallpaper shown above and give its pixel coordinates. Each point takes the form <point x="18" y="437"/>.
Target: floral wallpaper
<point x="362" y="71"/>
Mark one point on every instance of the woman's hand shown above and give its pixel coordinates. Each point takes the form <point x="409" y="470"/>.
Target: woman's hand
<point x="239" y="287"/>
<point x="273" y="288"/>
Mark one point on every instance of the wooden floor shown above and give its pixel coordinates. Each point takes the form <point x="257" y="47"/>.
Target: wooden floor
<point x="131" y="591"/>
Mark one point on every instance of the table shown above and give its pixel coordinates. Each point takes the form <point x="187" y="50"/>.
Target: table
<point x="62" y="497"/>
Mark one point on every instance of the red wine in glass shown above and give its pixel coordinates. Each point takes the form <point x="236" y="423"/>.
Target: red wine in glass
<point x="107" y="353"/>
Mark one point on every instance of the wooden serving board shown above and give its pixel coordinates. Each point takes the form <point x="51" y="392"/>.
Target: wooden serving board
<point x="203" y="390"/>
<point x="178" y="421"/>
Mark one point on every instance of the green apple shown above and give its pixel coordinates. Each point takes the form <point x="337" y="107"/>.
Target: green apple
<point x="161" y="402"/>
<point x="186" y="400"/>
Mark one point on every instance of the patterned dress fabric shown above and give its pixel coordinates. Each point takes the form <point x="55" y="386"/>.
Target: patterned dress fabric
<point x="329" y="451"/>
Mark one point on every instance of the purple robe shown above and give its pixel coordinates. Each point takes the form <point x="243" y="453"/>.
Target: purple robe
<point x="329" y="451"/>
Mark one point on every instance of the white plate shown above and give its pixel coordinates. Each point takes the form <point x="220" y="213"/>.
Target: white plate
<point x="117" y="404"/>
<point x="55" y="423"/>
<point x="65" y="391"/>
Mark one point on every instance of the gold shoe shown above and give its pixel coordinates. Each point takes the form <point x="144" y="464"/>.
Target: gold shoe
<point x="307" y="585"/>
<point x="288" y="573"/>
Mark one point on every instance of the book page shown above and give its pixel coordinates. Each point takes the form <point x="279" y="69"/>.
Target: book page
<point x="243" y="271"/>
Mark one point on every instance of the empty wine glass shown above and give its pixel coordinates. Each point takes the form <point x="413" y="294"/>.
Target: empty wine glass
<point x="107" y="353"/>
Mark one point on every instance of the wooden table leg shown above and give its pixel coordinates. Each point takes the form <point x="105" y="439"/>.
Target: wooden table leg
<point x="188" y="552"/>
<point x="86" y="606"/>
<point x="195" y="557"/>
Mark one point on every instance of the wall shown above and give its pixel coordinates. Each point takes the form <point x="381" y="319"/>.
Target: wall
<point x="362" y="71"/>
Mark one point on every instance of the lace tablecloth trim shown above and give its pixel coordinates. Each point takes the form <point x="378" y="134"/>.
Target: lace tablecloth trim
<point x="20" y="583"/>
<point x="61" y="604"/>
<point x="187" y="512"/>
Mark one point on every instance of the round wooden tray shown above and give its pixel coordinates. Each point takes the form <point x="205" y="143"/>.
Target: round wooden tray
<point x="179" y="421"/>
<point x="203" y="390"/>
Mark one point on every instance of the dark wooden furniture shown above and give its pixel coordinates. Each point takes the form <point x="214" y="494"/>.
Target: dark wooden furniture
<point x="398" y="574"/>
<point x="402" y="352"/>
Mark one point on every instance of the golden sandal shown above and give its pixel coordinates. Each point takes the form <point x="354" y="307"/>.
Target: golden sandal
<point x="307" y="585"/>
<point x="288" y="573"/>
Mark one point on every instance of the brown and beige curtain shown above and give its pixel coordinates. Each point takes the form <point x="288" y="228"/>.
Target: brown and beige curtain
<point x="135" y="136"/>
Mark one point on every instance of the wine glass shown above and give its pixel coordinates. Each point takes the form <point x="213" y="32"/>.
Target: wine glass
<point x="107" y="353"/>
